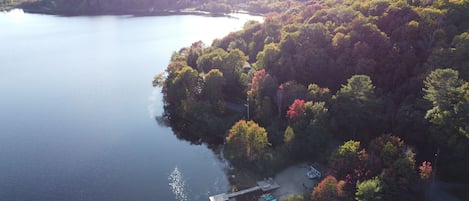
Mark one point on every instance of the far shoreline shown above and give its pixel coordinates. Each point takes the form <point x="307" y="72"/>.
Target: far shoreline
<point x="136" y="13"/>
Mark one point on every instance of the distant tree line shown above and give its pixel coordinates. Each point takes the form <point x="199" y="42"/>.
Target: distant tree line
<point x="149" y="6"/>
<point x="10" y="4"/>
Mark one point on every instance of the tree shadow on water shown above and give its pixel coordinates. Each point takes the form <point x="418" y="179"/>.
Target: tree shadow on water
<point x="211" y="131"/>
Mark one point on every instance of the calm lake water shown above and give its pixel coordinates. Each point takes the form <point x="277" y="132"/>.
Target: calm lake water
<point x="77" y="109"/>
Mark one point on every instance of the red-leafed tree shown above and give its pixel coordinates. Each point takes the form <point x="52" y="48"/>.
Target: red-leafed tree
<point x="287" y="93"/>
<point x="296" y="111"/>
<point x="425" y="170"/>
<point x="261" y="94"/>
<point x="263" y="84"/>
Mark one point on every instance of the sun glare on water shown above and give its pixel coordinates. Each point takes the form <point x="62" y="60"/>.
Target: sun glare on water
<point x="177" y="185"/>
<point x="15" y="12"/>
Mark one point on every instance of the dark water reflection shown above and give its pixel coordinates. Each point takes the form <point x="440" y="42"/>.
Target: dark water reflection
<point x="196" y="133"/>
<point x="77" y="110"/>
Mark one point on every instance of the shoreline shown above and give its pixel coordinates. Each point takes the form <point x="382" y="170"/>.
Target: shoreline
<point x="135" y="12"/>
<point x="292" y="180"/>
<point x="7" y="8"/>
<point x="72" y="13"/>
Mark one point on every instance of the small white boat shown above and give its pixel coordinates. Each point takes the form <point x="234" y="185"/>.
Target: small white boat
<point x="313" y="173"/>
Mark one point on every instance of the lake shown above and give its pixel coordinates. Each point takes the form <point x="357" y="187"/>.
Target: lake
<point x="77" y="109"/>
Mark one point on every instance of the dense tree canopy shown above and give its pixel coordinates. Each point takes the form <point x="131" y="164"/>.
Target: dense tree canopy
<point x="320" y="72"/>
<point x="356" y="107"/>
<point x="213" y="86"/>
<point x="449" y="96"/>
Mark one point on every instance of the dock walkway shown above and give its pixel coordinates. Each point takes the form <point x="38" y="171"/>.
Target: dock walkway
<point x="265" y="185"/>
<point x="242" y="192"/>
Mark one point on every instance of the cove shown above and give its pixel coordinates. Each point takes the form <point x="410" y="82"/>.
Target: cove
<point x="78" y="109"/>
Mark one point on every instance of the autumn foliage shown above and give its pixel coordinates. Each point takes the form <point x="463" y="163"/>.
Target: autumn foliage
<point x="364" y="64"/>
<point x="425" y="170"/>
<point x="329" y="189"/>
<point x="350" y="163"/>
<point x="246" y="140"/>
<point x="296" y="111"/>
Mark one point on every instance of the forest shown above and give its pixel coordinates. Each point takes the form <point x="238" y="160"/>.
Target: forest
<point x="148" y="7"/>
<point x="376" y="89"/>
<point x="6" y="5"/>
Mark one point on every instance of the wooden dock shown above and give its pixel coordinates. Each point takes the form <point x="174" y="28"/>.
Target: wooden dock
<point x="264" y="185"/>
<point x="242" y="192"/>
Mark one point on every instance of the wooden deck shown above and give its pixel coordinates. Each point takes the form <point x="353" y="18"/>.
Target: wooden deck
<point x="264" y="185"/>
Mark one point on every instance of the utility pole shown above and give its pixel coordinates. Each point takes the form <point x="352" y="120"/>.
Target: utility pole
<point x="247" y="108"/>
<point x="434" y="164"/>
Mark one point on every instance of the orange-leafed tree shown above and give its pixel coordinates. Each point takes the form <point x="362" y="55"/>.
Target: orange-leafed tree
<point x="329" y="189"/>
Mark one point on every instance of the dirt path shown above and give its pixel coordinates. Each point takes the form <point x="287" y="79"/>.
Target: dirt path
<point x="438" y="191"/>
<point x="293" y="180"/>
